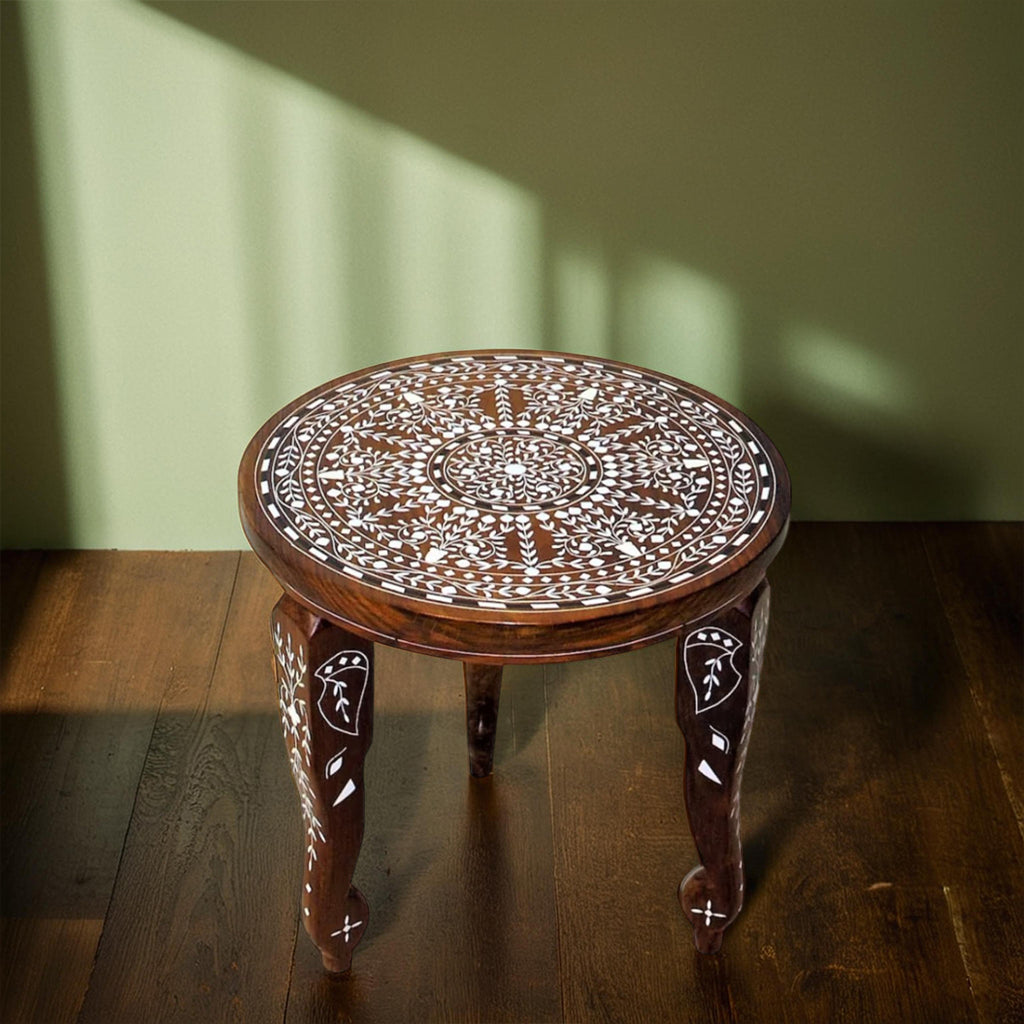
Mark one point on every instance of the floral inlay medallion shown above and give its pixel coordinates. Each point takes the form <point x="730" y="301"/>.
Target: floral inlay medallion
<point x="524" y="481"/>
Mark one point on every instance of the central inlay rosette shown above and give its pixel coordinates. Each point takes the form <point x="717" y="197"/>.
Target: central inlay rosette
<point x="515" y="470"/>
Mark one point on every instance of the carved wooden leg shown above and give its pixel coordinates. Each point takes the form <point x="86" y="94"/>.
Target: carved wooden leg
<point x="717" y="667"/>
<point x="325" y="685"/>
<point x="483" y="691"/>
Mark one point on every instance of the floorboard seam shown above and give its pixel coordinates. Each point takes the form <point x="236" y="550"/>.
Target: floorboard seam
<point x="120" y="864"/>
<point x="831" y="953"/>
<point x="291" y="968"/>
<point x="554" y="860"/>
<point x="220" y="640"/>
<point x="956" y="920"/>
<point x="142" y="773"/>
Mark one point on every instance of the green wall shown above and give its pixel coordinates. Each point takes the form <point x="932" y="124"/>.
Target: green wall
<point x="815" y="210"/>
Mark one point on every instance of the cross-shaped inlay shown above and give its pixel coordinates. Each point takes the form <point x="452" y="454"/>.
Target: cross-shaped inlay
<point x="350" y="926"/>
<point x="707" y="912"/>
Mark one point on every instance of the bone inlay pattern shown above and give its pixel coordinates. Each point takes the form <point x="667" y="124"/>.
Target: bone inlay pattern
<point x="290" y="666"/>
<point x="516" y="481"/>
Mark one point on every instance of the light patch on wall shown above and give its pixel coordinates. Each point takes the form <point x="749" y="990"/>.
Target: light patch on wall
<point x="223" y="236"/>
<point x="581" y="296"/>
<point x="463" y="252"/>
<point x="681" y="322"/>
<point x="845" y="380"/>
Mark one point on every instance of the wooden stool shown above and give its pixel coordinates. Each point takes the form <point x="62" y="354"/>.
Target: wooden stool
<point x="501" y="507"/>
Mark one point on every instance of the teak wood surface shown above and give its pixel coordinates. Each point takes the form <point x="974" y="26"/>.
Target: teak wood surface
<point x="504" y="507"/>
<point x="150" y="821"/>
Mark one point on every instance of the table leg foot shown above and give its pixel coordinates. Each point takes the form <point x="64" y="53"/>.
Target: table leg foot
<point x="718" y="665"/>
<point x="325" y="689"/>
<point x="698" y="903"/>
<point x="332" y="965"/>
<point x="483" y="692"/>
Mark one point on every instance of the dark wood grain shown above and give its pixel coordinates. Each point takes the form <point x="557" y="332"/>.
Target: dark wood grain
<point x="862" y="794"/>
<point x="19" y="571"/>
<point x="46" y="966"/>
<point x="483" y="694"/>
<point x="878" y="768"/>
<point x="104" y="641"/>
<point x="882" y="856"/>
<point x="202" y="919"/>
<point x="979" y="572"/>
<point x="622" y="843"/>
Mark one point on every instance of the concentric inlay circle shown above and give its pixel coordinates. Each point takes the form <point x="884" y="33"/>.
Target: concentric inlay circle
<point x="515" y="470"/>
<point x="522" y="481"/>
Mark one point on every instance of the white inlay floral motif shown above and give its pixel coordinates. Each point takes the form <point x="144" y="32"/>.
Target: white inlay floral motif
<point x="707" y="913"/>
<point x="708" y="655"/>
<point x="294" y="703"/>
<point x="513" y="468"/>
<point x="346" y="928"/>
<point x="343" y="678"/>
<point x="519" y="481"/>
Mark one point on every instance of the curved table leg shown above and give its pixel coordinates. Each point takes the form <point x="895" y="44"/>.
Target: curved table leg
<point x="325" y="686"/>
<point x="718" y="664"/>
<point x="483" y="691"/>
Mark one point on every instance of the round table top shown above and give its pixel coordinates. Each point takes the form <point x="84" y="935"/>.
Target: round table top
<point x="513" y="505"/>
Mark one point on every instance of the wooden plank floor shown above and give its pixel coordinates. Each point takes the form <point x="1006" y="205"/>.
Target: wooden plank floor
<point x="151" y="841"/>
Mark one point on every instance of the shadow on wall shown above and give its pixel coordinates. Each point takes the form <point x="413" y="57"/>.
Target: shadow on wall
<point x="723" y="188"/>
<point x="815" y="214"/>
<point x="33" y="498"/>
